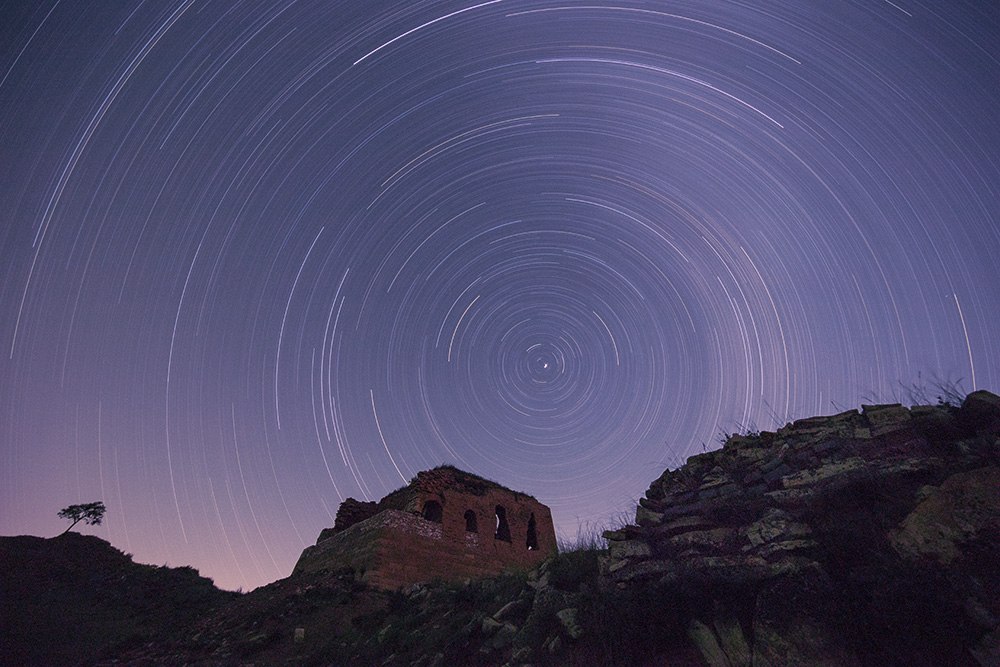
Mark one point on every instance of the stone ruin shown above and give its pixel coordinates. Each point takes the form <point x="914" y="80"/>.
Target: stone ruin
<point x="845" y="540"/>
<point x="445" y="524"/>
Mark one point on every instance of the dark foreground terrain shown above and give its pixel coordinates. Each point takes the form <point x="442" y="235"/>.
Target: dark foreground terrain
<point x="865" y="538"/>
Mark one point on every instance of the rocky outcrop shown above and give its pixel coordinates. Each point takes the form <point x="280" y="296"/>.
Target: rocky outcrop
<point x="861" y="538"/>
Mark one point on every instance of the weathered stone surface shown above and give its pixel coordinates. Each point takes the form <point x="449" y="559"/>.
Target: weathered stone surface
<point x="502" y="638"/>
<point x="546" y="602"/>
<point x="792" y="622"/>
<point x="774" y="524"/>
<point x="350" y="512"/>
<point x="808" y="526"/>
<point x="938" y="423"/>
<point x="784" y="547"/>
<point x="511" y="609"/>
<point x="791" y="498"/>
<point x="981" y="412"/>
<point x="885" y="419"/>
<point x="644" y="570"/>
<point x="714" y="539"/>
<point x="822" y="473"/>
<point x="568" y="618"/>
<point x="647" y="517"/>
<point x="715" y="477"/>
<point x="741" y="442"/>
<point x="491" y="626"/>
<point x="681" y="525"/>
<point x="949" y="515"/>
<point x="629" y="549"/>
<point x="732" y="640"/>
<point x="708" y="644"/>
<point x="609" y="565"/>
<point x="626" y="533"/>
<point x="718" y="636"/>
<point x="751" y="455"/>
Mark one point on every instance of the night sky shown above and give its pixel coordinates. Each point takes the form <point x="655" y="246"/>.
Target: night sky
<point x="257" y="257"/>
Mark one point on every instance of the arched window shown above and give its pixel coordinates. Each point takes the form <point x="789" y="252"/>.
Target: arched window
<point x="471" y="525"/>
<point x="503" y="530"/>
<point x="532" y="540"/>
<point x="432" y="511"/>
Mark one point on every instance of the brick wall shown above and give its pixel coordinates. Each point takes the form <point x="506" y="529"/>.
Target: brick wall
<point x="399" y="547"/>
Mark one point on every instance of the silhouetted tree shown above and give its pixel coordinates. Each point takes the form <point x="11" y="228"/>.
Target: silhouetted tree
<point x="89" y="513"/>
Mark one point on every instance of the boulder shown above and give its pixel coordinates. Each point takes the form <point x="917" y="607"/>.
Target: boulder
<point x="568" y="618"/>
<point x="886" y="419"/>
<point x="708" y="645"/>
<point x="628" y="549"/>
<point x="981" y="412"/>
<point x="950" y="515"/>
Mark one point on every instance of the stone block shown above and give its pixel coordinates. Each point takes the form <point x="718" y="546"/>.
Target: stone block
<point x="752" y="455"/>
<point x="776" y="473"/>
<point x="811" y="477"/>
<point x="715" y="478"/>
<point x="646" y="569"/>
<point x="503" y="638"/>
<point x="491" y="626"/>
<point x="647" y="517"/>
<point x="812" y="424"/>
<point x="728" y="490"/>
<point x="715" y="539"/>
<point x="681" y="525"/>
<point x="773" y="463"/>
<point x="981" y="412"/>
<point x="628" y="549"/>
<point x="950" y="515"/>
<point x="784" y="547"/>
<point x="708" y="645"/>
<point x="568" y="619"/>
<point x="511" y="609"/>
<point x="826" y="445"/>
<point x="737" y="442"/>
<point x="791" y="498"/>
<point x="623" y="533"/>
<point x="609" y="566"/>
<point x="772" y="525"/>
<point x="654" y="505"/>
<point x="885" y="419"/>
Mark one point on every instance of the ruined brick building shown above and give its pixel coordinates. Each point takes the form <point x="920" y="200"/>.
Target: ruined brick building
<point x="445" y="524"/>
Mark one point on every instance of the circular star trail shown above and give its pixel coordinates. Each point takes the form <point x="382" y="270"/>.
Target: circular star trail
<point x="259" y="257"/>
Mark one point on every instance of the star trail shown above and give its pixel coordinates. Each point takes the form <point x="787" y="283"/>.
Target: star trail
<point x="258" y="257"/>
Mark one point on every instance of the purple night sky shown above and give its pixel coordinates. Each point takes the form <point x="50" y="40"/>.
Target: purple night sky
<point x="257" y="257"/>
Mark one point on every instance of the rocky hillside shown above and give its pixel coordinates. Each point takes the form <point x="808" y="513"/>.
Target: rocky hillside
<point x="868" y="538"/>
<point x="557" y="614"/>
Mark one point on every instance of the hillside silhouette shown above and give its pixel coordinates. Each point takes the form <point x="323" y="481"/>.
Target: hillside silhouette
<point x="73" y="598"/>
<point x="867" y="538"/>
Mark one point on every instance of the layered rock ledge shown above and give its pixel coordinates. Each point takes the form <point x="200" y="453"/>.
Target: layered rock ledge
<point x="782" y="536"/>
